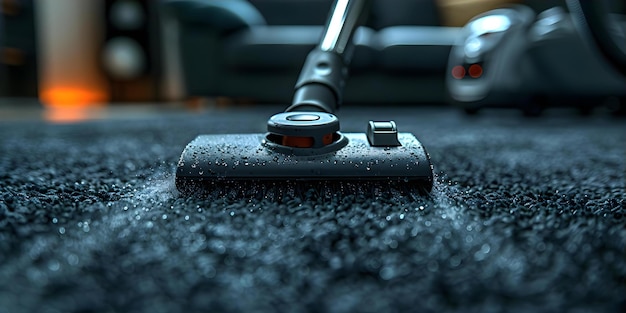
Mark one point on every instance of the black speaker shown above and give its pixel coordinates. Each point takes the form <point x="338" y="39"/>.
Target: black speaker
<point x="131" y="54"/>
<point x="18" y="49"/>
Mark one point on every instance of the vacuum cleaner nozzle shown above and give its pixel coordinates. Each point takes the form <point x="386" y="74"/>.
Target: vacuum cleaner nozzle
<point x="306" y="147"/>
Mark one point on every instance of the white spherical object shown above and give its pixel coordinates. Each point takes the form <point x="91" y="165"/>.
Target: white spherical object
<point x="124" y="58"/>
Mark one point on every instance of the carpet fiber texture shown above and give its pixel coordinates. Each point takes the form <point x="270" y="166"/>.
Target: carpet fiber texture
<point x="525" y="215"/>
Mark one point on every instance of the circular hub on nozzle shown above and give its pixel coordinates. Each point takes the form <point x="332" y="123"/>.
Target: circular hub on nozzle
<point x="305" y="132"/>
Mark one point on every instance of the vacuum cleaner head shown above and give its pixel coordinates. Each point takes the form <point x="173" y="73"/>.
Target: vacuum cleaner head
<point x="382" y="155"/>
<point x="303" y="146"/>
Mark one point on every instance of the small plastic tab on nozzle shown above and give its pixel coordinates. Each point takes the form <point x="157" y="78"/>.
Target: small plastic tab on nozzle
<point x="383" y="134"/>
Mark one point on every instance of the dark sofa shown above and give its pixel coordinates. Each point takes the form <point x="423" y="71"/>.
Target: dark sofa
<point x="255" y="49"/>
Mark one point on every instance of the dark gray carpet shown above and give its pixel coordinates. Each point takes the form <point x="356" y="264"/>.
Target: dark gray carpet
<point x="526" y="215"/>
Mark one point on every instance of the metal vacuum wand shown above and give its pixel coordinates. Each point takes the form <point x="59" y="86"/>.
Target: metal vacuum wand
<point x="320" y="85"/>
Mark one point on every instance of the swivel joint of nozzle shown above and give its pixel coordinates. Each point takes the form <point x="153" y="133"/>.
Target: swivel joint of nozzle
<point x="304" y="133"/>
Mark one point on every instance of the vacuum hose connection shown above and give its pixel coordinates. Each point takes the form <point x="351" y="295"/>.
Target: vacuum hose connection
<point x="321" y="81"/>
<point x="320" y="84"/>
<point x="319" y="89"/>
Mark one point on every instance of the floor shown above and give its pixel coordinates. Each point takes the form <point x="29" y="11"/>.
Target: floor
<point x="527" y="214"/>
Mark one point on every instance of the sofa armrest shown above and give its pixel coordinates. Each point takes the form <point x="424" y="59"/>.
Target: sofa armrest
<point x="223" y="15"/>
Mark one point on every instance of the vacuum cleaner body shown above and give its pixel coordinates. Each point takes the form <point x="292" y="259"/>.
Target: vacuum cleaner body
<point x="480" y="70"/>
<point x="527" y="61"/>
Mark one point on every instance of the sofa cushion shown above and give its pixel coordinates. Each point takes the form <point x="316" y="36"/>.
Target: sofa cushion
<point x="382" y="13"/>
<point x="386" y="13"/>
<point x="276" y="48"/>
<point x="415" y="49"/>
<point x="294" y="12"/>
<point x="223" y="15"/>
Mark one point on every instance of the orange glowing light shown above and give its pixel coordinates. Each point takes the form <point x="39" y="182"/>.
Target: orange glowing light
<point x="475" y="70"/>
<point x="64" y="97"/>
<point x="458" y="72"/>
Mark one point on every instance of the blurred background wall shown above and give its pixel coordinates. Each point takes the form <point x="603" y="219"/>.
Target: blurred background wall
<point x="18" y="49"/>
<point x="83" y="52"/>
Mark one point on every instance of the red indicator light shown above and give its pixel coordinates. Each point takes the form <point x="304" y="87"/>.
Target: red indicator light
<point x="475" y="71"/>
<point x="458" y="72"/>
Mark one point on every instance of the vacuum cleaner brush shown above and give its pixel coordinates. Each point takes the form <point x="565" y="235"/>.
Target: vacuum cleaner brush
<point x="303" y="146"/>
